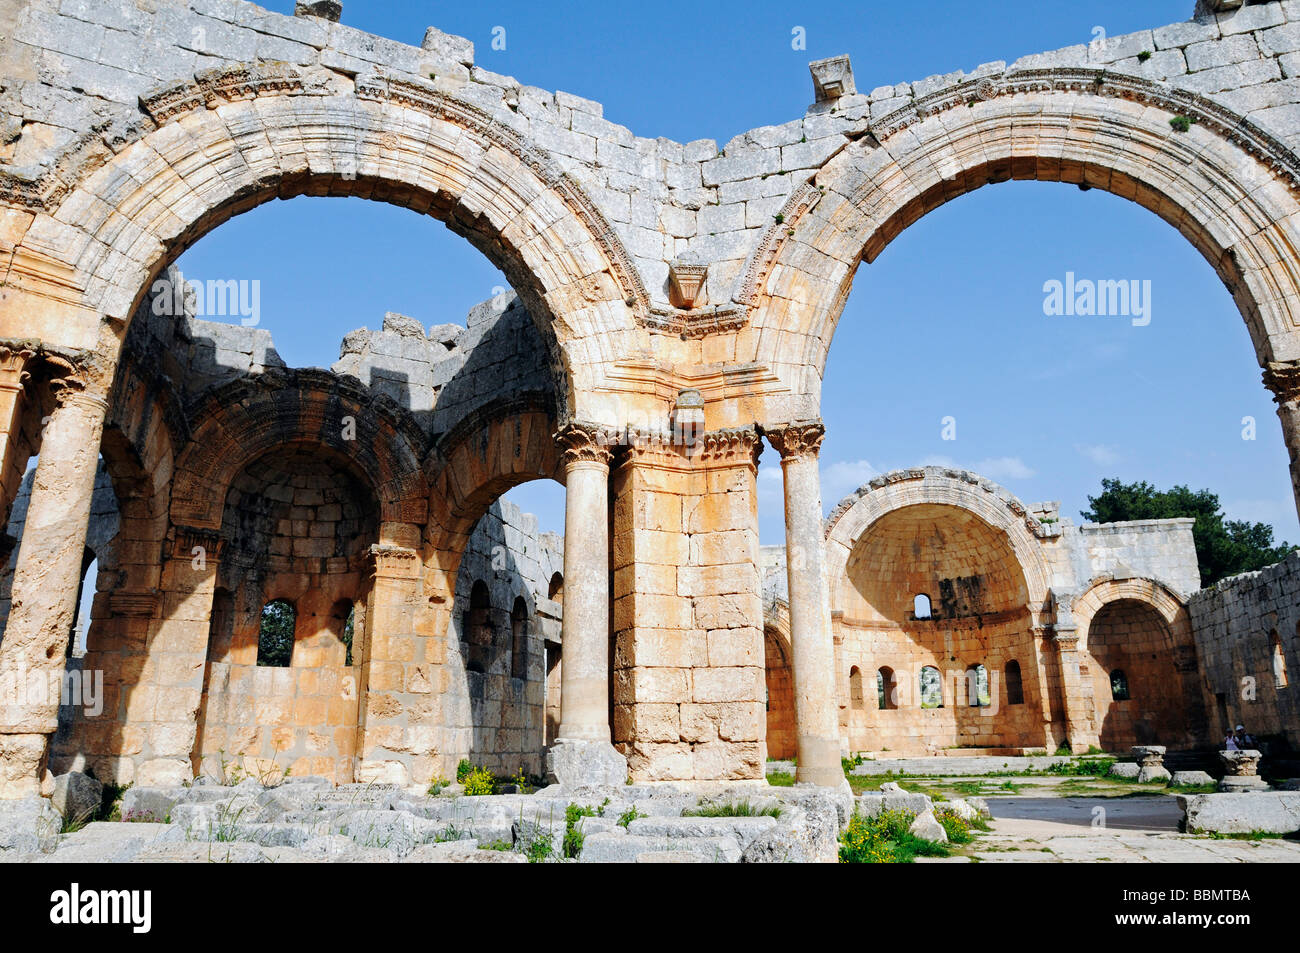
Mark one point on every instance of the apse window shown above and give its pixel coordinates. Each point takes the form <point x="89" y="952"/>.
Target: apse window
<point x="931" y="687"/>
<point x="275" y="638"/>
<point x="1119" y="685"/>
<point x="1280" y="679"/>
<point x="886" y="689"/>
<point x="1015" y="687"/>
<point x="977" y="686"/>
<point x="855" y="688"/>
<point x="921" y="606"/>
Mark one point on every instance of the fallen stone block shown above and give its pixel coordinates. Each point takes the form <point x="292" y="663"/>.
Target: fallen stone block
<point x="742" y="829"/>
<point x="104" y="842"/>
<point x="76" y="796"/>
<point x="1190" y="777"/>
<point x="927" y="827"/>
<point x="1272" y="812"/>
<point x="151" y="805"/>
<point x="1127" y="770"/>
<point x="620" y="848"/>
<point x="29" y="825"/>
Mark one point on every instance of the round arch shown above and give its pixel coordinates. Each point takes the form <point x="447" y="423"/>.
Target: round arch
<point x="235" y="138"/>
<point x="1226" y="184"/>
<point x="989" y="502"/>
<point x="1105" y="589"/>
<point x="238" y="422"/>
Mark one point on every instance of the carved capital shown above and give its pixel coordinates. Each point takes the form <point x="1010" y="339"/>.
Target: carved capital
<point x="800" y="439"/>
<point x="13" y="366"/>
<point x="584" y="443"/>
<point x="733" y="446"/>
<point x="1283" y="379"/>
<point x="395" y="562"/>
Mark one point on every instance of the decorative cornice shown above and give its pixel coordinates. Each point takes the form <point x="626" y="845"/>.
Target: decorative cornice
<point x="585" y="443"/>
<point x="190" y="538"/>
<point x="733" y="445"/>
<point x="135" y="604"/>
<point x="799" y="439"/>
<point x="1283" y="379"/>
<point x="211" y="87"/>
<point x="801" y="201"/>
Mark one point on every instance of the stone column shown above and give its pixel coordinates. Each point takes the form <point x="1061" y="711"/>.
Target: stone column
<point x="812" y="648"/>
<point x="1076" y="696"/>
<point x="1283" y="379"/>
<point x="45" y="585"/>
<point x="582" y="753"/>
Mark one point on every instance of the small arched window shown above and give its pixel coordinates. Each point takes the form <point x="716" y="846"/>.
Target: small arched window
<point x="931" y="687"/>
<point x="886" y="689"/>
<point x="343" y="621"/>
<point x="519" y="639"/>
<point x="921" y="606"/>
<point x="855" y="688"/>
<point x="1119" y="685"/>
<point x="977" y="687"/>
<point x="555" y="591"/>
<point x="1280" y="679"/>
<point x="275" y="637"/>
<point x="1015" y="688"/>
<point x="478" y="628"/>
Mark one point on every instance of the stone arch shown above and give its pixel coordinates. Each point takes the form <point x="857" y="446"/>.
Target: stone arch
<point x="989" y="502"/>
<point x="1225" y="184"/>
<point x="219" y="144"/>
<point x="497" y="447"/>
<point x="248" y="418"/>
<point x="1148" y="636"/>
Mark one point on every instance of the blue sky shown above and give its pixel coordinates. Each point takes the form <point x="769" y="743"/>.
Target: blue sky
<point x="947" y="322"/>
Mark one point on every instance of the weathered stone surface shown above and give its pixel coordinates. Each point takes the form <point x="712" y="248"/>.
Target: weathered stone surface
<point x="1191" y="777"/>
<point x="28" y="825"/>
<point x="576" y="764"/>
<point x="927" y="827"/>
<point x="1125" y="769"/>
<point x="1270" y="812"/>
<point x="76" y="796"/>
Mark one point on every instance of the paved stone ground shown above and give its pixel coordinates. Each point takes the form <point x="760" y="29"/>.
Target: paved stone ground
<point x="1056" y="830"/>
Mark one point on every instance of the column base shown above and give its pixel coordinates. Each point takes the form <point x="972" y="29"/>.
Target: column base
<point x="819" y="763"/>
<point x="574" y="763"/>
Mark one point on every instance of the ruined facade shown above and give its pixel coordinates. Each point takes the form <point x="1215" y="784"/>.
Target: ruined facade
<point x="684" y="298"/>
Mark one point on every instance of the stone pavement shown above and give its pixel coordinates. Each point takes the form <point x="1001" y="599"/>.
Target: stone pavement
<point x="1133" y="830"/>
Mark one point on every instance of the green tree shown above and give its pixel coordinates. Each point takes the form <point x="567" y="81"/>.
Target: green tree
<point x="275" y="640"/>
<point x="1224" y="547"/>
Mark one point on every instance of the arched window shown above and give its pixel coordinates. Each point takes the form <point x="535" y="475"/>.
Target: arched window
<point x="1280" y="679"/>
<point x="1119" y="685"/>
<point x="556" y="590"/>
<point x="886" y="689"/>
<point x="977" y="687"/>
<point x="275" y="638"/>
<point x="855" y="688"/>
<point x="1015" y="688"/>
<point x="478" y="628"/>
<point x="931" y="687"/>
<point x="921" y="606"/>
<point x="519" y="639"/>
<point x="85" y="602"/>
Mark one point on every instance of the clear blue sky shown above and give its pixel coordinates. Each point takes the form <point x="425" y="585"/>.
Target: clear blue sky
<point x="947" y="322"/>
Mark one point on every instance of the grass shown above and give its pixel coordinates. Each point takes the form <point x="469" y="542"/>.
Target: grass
<point x="885" y="839"/>
<point x="732" y="809"/>
<point x="781" y="779"/>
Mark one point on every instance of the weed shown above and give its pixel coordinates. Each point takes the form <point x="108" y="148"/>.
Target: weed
<point x="732" y="809"/>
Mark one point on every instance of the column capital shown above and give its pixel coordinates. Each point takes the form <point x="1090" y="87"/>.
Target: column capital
<point x="13" y="365"/>
<point x="803" y="438"/>
<point x="394" y="562"/>
<point x="1283" y="379"/>
<point x="585" y="443"/>
<point x="732" y="446"/>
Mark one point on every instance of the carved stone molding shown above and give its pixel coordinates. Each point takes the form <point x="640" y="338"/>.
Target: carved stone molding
<point x="732" y="446"/>
<point x="799" y="439"/>
<point x="686" y="284"/>
<point x="1283" y="379"/>
<point x="229" y="84"/>
<point x="14" y="374"/>
<point x="135" y="604"/>
<point x="190" y="538"/>
<point x="585" y="443"/>
<point x="395" y="562"/>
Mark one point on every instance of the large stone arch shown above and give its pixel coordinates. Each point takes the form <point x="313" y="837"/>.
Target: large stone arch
<point x="236" y="423"/>
<point x="212" y="147"/>
<point x="1168" y="693"/>
<point x="990" y="503"/>
<point x="1226" y="184"/>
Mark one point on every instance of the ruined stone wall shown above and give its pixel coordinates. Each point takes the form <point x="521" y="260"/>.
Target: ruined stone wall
<point x="1154" y="549"/>
<point x="495" y="707"/>
<point x="1247" y="631"/>
<point x="666" y="200"/>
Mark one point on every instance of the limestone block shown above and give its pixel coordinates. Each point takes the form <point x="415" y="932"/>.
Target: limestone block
<point x="1191" y="777"/>
<point x="574" y="764"/>
<point x="619" y="847"/>
<point x="28" y="825"/>
<point x="1271" y="812"/>
<point x="76" y="796"/>
<point x="927" y="827"/>
<point x="1125" y="769"/>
